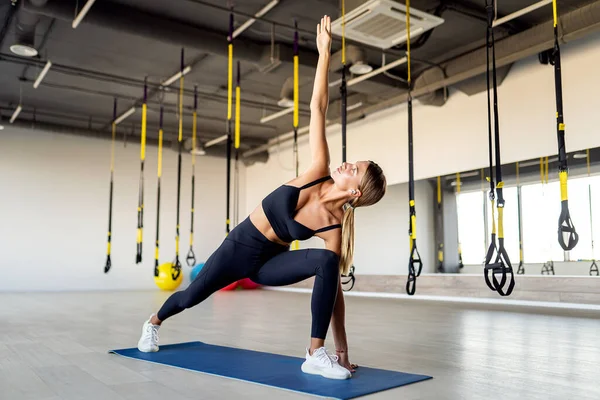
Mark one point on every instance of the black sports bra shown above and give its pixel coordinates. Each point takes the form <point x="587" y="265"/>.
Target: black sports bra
<point x="280" y="209"/>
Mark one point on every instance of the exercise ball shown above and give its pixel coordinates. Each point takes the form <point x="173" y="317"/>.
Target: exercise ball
<point x="165" y="280"/>
<point x="247" y="283"/>
<point x="195" y="271"/>
<point x="231" y="286"/>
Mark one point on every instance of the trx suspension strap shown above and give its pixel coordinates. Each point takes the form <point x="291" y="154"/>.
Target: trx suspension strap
<point x="439" y="227"/>
<point x="460" y="260"/>
<point x="140" y="210"/>
<point x="594" y="267"/>
<point x="521" y="269"/>
<point x="565" y="225"/>
<point x="229" y="106"/>
<point x="415" y="265"/>
<point x="501" y="264"/>
<point x="110" y="196"/>
<point x="350" y="278"/>
<point x="191" y="257"/>
<point x="176" y="265"/>
<point x="236" y="183"/>
<point x="296" y="243"/>
<point x="158" y="175"/>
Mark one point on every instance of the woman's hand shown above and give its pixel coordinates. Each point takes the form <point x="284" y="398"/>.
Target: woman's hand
<point x="344" y="362"/>
<point x="324" y="35"/>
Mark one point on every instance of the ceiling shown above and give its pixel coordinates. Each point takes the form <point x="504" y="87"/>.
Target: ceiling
<point x="120" y="43"/>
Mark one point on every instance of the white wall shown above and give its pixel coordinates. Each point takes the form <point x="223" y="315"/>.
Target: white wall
<point x="453" y="138"/>
<point x="54" y="211"/>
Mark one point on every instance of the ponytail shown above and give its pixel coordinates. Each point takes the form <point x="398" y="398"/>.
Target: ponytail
<point x="347" y="255"/>
<point x="373" y="187"/>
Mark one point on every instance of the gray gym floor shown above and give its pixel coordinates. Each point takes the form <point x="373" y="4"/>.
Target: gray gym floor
<point x="54" y="346"/>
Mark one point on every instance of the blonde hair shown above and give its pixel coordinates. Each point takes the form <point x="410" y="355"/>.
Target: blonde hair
<point x="372" y="189"/>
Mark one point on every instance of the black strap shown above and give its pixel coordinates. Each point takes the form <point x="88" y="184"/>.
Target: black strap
<point x="351" y="279"/>
<point x="315" y="182"/>
<point x="565" y="225"/>
<point x="328" y="228"/>
<point x="499" y="265"/>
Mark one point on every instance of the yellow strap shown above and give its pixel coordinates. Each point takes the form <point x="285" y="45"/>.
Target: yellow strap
<point x="156" y="252"/>
<point x="191" y="238"/>
<point x="296" y="92"/>
<point x="144" y="119"/>
<point x="564" y="195"/>
<point x="229" y="81"/>
<point x="439" y="189"/>
<point x="295" y="245"/>
<point x="413" y="224"/>
<point x="517" y="173"/>
<point x="500" y="222"/>
<point x="237" y="116"/>
<point x="411" y="203"/>
<point x="139" y="235"/>
<point x="555" y="12"/>
<point x="493" y="218"/>
<point x="458" y="184"/>
<point x="547" y="169"/>
<point x="194" y="127"/>
<point x="108" y="248"/>
<point x="588" y="161"/>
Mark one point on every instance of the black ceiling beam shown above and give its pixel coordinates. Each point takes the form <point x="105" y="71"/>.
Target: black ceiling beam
<point x="132" y="82"/>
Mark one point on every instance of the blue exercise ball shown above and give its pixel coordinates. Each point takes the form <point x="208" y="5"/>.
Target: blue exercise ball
<point x="195" y="271"/>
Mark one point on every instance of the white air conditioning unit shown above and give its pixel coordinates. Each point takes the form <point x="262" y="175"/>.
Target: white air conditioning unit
<point x="382" y="23"/>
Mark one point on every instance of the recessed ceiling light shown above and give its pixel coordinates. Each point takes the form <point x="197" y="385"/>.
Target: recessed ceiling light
<point x="198" y="151"/>
<point x="360" y="68"/>
<point x="23" y="50"/>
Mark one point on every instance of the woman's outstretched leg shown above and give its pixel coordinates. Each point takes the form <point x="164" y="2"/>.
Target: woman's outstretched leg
<point x="226" y="265"/>
<point x="295" y="266"/>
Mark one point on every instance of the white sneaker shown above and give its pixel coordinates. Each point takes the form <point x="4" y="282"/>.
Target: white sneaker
<point x="326" y="365"/>
<point x="149" y="340"/>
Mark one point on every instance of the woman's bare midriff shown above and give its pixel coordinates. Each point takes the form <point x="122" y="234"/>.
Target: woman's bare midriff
<point x="260" y="221"/>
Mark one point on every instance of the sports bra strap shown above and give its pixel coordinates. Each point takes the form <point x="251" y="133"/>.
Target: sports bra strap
<point x="316" y="182"/>
<point x="328" y="228"/>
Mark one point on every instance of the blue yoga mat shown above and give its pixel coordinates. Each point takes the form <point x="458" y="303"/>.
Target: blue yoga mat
<point x="273" y="370"/>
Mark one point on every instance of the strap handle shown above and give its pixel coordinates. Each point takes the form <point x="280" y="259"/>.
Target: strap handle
<point x="109" y="264"/>
<point x="175" y="269"/>
<point x="415" y="266"/>
<point x="565" y="226"/>
<point x="352" y="279"/>
<point x="594" y="269"/>
<point x="501" y="266"/>
<point x="191" y="258"/>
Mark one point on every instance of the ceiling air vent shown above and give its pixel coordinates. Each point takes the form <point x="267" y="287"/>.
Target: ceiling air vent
<point x="382" y="23"/>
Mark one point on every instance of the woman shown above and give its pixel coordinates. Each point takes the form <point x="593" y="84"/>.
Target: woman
<point x="313" y="204"/>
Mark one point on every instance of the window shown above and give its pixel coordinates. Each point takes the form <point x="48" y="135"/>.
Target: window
<point x="471" y="231"/>
<point x="541" y="209"/>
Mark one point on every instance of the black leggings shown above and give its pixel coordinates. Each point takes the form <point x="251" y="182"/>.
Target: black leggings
<point x="247" y="253"/>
